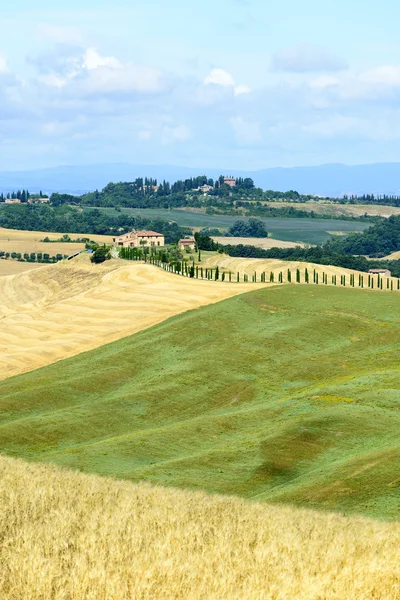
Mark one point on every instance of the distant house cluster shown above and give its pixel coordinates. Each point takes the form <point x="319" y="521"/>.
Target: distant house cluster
<point x="30" y="200"/>
<point x="138" y="239"/>
<point x="38" y="200"/>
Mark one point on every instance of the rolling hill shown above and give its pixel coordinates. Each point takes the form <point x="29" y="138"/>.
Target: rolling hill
<point x="64" y="309"/>
<point x="286" y="394"/>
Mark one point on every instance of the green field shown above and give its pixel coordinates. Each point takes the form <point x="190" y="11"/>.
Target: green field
<point x="309" y="231"/>
<point x="287" y="394"/>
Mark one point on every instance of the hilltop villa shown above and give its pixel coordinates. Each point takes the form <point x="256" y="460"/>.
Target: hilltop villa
<point x="231" y="181"/>
<point x="137" y="239"/>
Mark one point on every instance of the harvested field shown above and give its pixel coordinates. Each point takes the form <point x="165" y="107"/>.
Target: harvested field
<point x="12" y="267"/>
<point x="61" y="310"/>
<point x="15" y="240"/>
<point x="265" y="243"/>
<point x="69" y="535"/>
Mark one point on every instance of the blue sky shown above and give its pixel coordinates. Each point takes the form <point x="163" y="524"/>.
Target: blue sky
<point x="232" y="84"/>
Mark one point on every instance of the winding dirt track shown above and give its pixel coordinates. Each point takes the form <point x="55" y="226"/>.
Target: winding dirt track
<point x="61" y="310"/>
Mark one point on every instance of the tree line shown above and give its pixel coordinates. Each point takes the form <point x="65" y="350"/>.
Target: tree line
<point x="65" y="218"/>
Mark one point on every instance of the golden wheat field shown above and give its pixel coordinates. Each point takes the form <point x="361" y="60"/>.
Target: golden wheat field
<point x="61" y="310"/>
<point x="71" y="536"/>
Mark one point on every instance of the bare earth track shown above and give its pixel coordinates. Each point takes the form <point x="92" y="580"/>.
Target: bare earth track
<point x="61" y="310"/>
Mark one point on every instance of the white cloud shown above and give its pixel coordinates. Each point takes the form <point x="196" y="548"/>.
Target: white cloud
<point x="91" y="73"/>
<point x="222" y="78"/>
<point x="181" y="133"/>
<point x="219" y="77"/>
<point x="247" y="133"/>
<point x="93" y="60"/>
<point x="241" y="89"/>
<point x="303" y="58"/>
<point x="387" y="75"/>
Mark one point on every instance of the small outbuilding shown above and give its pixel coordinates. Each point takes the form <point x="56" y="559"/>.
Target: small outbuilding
<point x="381" y="272"/>
<point x="187" y="243"/>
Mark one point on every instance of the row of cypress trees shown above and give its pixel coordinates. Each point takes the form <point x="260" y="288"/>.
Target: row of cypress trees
<point x="160" y="259"/>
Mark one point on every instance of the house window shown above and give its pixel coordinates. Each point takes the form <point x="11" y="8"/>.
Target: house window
<point x="158" y="243"/>
<point x="152" y="243"/>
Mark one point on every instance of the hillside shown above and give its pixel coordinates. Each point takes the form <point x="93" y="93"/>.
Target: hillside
<point x="287" y="394"/>
<point x="69" y="535"/>
<point x="57" y="311"/>
<point x="249" y="266"/>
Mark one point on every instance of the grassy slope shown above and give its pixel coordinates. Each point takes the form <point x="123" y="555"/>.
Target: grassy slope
<point x="73" y="536"/>
<point x="287" y="394"/>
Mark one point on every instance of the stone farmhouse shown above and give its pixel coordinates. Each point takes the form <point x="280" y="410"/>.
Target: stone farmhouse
<point x="187" y="243"/>
<point x="139" y="239"/>
<point x="12" y="201"/>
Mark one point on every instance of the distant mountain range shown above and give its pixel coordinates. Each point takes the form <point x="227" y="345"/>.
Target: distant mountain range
<point x="325" y="180"/>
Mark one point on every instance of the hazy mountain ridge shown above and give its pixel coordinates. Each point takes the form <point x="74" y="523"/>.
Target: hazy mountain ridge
<point x="324" y="180"/>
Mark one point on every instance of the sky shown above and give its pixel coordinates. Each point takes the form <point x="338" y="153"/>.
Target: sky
<point x="236" y="84"/>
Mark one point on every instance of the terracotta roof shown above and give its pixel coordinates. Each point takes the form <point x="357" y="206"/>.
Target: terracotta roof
<point x="378" y="271"/>
<point x="186" y="241"/>
<point x="148" y="233"/>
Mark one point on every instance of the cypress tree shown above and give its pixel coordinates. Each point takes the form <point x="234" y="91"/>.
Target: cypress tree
<point x="316" y="278"/>
<point x="391" y="285"/>
<point x="289" y="276"/>
<point x="297" y="275"/>
<point x="230" y="276"/>
<point x="201" y="272"/>
<point x="217" y="273"/>
<point x="387" y="284"/>
<point x="306" y="275"/>
<point x="372" y="283"/>
<point x="223" y="277"/>
<point x="238" y="277"/>
<point x="271" y="277"/>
